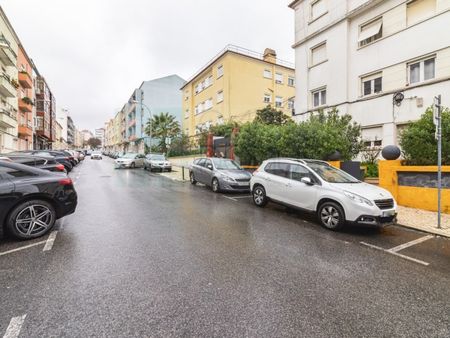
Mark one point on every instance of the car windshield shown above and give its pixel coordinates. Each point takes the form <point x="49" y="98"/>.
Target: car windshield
<point x="331" y="174"/>
<point x="225" y="164"/>
<point x="157" y="158"/>
<point x="129" y="155"/>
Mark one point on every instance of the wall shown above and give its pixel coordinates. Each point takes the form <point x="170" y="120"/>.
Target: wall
<point x="419" y="197"/>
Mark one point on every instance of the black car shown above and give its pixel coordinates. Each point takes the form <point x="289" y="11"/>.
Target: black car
<point x="59" y="156"/>
<point x="33" y="199"/>
<point x="41" y="162"/>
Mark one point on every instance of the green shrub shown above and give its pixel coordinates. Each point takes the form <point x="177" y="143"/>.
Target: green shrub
<point x="418" y="141"/>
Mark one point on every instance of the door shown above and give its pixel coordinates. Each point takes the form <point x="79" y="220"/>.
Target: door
<point x="300" y="194"/>
<point x="197" y="169"/>
<point x="7" y="196"/>
<point x="277" y="181"/>
<point x="208" y="172"/>
<point x="140" y="160"/>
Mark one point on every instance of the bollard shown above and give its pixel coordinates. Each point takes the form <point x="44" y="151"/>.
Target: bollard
<point x="182" y="170"/>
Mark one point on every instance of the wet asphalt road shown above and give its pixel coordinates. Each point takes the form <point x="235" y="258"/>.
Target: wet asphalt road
<point x="148" y="257"/>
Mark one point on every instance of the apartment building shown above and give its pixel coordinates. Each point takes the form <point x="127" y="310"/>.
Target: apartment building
<point x="71" y="132"/>
<point x="153" y="97"/>
<point x="25" y="101"/>
<point x="234" y="85"/>
<point x="100" y="134"/>
<point x="9" y="50"/>
<point x="380" y="61"/>
<point x="45" y="113"/>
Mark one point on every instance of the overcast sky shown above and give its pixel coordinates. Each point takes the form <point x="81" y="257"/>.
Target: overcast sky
<point x="93" y="53"/>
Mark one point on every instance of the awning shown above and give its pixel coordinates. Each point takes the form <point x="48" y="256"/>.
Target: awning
<point x="370" y="31"/>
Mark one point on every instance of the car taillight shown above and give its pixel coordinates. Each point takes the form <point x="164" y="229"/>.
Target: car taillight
<point x="60" y="167"/>
<point x="66" y="181"/>
<point x="71" y="158"/>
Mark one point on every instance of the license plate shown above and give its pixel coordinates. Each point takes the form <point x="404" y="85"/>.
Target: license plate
<point x="388" y="213"/>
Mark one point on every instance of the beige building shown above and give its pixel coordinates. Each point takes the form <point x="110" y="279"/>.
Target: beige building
<point x="233" y="86"/>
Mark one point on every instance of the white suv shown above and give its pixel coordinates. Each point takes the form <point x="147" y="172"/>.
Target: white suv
<point x="315" y="186"/>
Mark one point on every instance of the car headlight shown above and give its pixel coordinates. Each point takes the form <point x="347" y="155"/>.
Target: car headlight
<point x="228" y="178"/>
<point x="358" y="199"/>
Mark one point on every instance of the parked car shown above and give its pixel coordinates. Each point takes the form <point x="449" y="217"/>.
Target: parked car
<point x="130" y="160"/>
<point x="60" y="157"/>
<point x="40" y="162"/>
<point x="315" y="186"/>
<point x="33" y="199"/>
<point x="96" y="155"/>
<point x="220" y="174"/>
<point x="157" y="162"/>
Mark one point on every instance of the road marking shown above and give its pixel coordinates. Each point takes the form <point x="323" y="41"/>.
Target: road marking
<point x="242" y="196"/>
<point x="21" y="248"/>
<point x="50" y="240"/>
<point x="14" y="327"/>
<point x="407" y="245"/>
<point x="230" y="198"/>
<point x="395" y="253"/>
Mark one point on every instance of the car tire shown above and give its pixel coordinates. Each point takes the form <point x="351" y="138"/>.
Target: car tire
<point x="215" y="185"/>
<point x="169" y="170"/>
<point x="18" y="225"/>
<point x="192" y="178"/>
<point x="259" y="196"/>
<point x="133" y="165"/>
<point x="331" y="215"/>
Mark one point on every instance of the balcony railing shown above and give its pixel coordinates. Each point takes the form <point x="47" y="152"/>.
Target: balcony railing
<point x="25" y="105"/>
<point x="7" y="55"/>
<point x="6" y="87"/>
<point x="8" y="116"/>
<point x="25" y="79"/>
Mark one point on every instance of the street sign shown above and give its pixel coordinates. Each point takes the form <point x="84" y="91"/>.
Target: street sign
<point x="168" y="140"/>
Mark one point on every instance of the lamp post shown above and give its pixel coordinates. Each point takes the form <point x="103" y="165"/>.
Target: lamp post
<point x="151" y="115"/>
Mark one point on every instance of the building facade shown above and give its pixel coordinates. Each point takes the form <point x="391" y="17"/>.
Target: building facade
<point x="100" y="134"/>
<point x="8" y="86"/>
<point x="25" y="98"/>
<point x="44" y="113"/>
<point x="383" y="62"/>
<point x="71" y="132"/>
<point x="233" y="86"/>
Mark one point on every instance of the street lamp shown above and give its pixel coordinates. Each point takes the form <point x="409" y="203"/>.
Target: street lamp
<point x="151" y="115"/>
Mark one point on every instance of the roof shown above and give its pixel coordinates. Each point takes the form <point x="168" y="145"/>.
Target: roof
<point x="240" y="51"/>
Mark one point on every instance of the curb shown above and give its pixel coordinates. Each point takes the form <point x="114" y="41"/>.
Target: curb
<point x="438" y="232"/>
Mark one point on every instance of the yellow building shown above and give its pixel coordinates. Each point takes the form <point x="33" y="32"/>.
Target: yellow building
<point x="234" y="85"/>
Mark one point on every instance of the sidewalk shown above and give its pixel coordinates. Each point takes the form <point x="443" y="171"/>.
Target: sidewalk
<point x="423" y="220"/>
<point x="408" y="217"/>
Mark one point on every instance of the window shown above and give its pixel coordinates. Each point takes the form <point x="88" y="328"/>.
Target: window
<point x="186" y="113"/>
<point x="278" y="101"/>
<point x="319" y="97"/>
<point x="219" y="96"/>
<point x="278" y="78"/>
<point x="267" y="98"/>
<point x="319" y="54"/>
<point x="421" y="71"/>
<point x="371" y="84"/>
<point x="220" y="120"/>
<point x="278" y="169"/>
<point x="297" y="172"/>
<point x="370" y="32"/>
<point x="208" y="104"/>
<point x="419" y="10"/>
<point x="219" y="71"/>
<point x="317" y="9"/>
<point x="267" y="74"/>
<point x="291" y="81"/>
<point x="291" y="103"/>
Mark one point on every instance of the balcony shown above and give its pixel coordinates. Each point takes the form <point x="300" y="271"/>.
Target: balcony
<point x="132" y="138"/>
<point x="25" y="129"/>
<point x="6" y="88"/>
<point x="25" y="104"/>
<point x="131" y="123"/>
<point x="8" y="116"/>
<point x="25" y="80"/>
<point x="7" y="55"/>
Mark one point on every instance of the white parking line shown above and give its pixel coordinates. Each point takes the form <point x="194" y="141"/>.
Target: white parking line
<point x="407" y="245"/>
<point x="50" y="240"/>
<point x="230" y="198"/>
<point x="395" y="253"/>
<point x="22" y="248"/>
<point x="247" y="196"/>
<point x="14" y="327"/>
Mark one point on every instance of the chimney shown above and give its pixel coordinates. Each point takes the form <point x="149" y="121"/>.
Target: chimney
<point x="270" y="55"/>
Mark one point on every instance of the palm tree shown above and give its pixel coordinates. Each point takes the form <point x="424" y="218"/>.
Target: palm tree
<point x="162" y="126"/>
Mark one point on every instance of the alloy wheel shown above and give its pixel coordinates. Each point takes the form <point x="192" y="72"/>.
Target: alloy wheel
<point x="215" y="185"/>
<point x="34" y="220"/>
<point x="329" y="216"/>
<point x="258" y="196"/>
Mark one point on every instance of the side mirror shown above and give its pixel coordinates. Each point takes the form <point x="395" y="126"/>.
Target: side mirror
<point x="307" y="181"/>
<point x="209" y="166"/>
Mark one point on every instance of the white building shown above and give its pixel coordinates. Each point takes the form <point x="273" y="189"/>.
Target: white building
<point x="357" y="55"/>
<point x="100" y="134"/>
<point x="61" y="118"/>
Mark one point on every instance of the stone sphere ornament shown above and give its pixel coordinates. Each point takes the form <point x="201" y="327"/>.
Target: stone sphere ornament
<point x="391" y="152"/>
<point x="336" y="156"/>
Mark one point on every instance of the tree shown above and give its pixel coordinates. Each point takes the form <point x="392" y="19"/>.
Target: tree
<point x="94" y="142"/>
<point x="418" y="140"/>
<point x="270" y="115"/>
<point x="162" y="126"/>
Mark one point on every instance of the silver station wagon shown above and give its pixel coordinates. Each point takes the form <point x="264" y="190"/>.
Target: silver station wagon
<point x="221" y="174"/>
